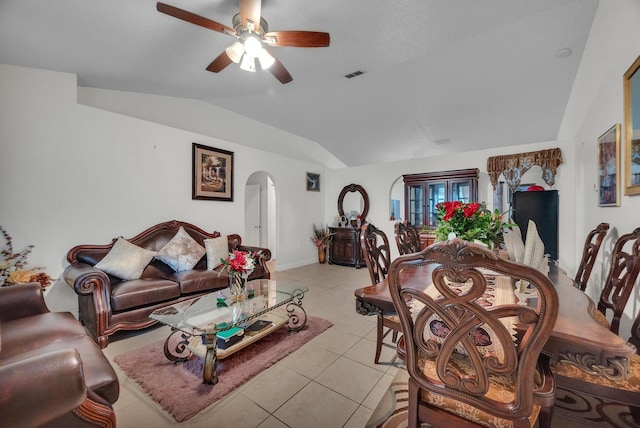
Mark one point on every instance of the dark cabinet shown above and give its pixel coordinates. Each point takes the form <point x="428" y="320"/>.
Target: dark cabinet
<point x="345" y="247"/>
<point x="542" y="208"/>
<point x="424" y="191"/>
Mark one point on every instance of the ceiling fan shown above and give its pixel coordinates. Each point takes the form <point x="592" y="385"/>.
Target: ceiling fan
<point x="252" y="33"/>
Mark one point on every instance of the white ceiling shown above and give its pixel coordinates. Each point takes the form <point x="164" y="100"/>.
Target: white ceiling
<point x="442" y="76"/>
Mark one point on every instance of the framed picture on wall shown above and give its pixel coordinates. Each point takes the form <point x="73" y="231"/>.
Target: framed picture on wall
<point x="632" y="128"/>
<point x="609" y="167"/>
<point x="313" y="182"/>
<point x="212" y="173"/>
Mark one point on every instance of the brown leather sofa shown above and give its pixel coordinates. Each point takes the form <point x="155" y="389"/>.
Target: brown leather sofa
<point x="51" y="372"/>
<point x="108" y="304"/>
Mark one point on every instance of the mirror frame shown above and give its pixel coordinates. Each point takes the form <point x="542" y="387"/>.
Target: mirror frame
<point x="354" y="188"/>
<point x="631" y="83"/>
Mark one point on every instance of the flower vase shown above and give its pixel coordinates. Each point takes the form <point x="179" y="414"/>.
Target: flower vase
<point x="322" y="255"/>
<point x="238" y="285"/>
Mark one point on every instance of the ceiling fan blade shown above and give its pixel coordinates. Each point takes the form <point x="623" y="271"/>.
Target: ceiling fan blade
<point x="250" y="11"/>
<point x="281" y="73"/>
<point x="299" y="39"/>
<point x="194" y="19"/>
<point x="220" y="63"/>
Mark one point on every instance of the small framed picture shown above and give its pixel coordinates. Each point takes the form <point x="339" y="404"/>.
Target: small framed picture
<point x="212" y="173"/>
<point x="609" y="167"/>
<point x="313" y="182"/>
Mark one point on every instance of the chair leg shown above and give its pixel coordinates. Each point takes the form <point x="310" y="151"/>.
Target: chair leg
<point x="394" y="337"/>
<point x="635" y="414"/>
<point x="379" y="338"/>
<point x="545" y="393"/>
<point x="412" y="404"/>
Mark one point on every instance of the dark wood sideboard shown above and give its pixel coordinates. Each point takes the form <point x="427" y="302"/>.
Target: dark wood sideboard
<point x="345" y="247"/>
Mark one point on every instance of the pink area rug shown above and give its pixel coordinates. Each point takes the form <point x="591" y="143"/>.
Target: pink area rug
<point x="179" y="388"/>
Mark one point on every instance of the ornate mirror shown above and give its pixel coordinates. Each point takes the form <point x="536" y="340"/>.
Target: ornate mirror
<point x="632" y="129"/>
<point x="353" y="198"/>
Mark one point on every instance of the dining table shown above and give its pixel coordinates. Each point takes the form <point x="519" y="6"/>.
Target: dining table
<point x="579" y="336"/>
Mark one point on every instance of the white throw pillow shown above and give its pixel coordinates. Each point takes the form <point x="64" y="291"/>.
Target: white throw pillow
<point x="182" y="252"/>
<point x="125" y="260"/>
<point x="217" y="248"/>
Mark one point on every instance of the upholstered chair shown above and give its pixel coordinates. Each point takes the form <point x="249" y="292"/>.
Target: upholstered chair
<point x="589" y="254"/>
<point x="376" y="253"/>
<point x="623" y="272"/>
<point x="407" y="238"/>
<point x="471" y="361"/>
<point x="618" y="383"/>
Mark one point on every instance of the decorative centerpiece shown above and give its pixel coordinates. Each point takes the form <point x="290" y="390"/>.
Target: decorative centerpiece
<point x="240" y="265"/>
<point x="471" y="222"/>
<point x="321" y="238"/>
<point x="13" y="268"/>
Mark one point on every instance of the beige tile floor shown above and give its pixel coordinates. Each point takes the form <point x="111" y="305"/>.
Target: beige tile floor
<point x="329" y="382"/>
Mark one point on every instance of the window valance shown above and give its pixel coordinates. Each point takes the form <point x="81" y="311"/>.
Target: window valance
<point x="514" y="166"/>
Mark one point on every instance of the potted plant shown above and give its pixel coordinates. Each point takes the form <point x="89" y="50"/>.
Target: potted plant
<point x="321" y="238"/>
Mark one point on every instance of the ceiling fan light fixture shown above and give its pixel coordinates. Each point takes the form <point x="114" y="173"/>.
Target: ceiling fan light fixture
<point x="248" y="63"/>
<point x="252" y="46"/>
<point x="235" y="51"/>
<point x="265" y="58"/>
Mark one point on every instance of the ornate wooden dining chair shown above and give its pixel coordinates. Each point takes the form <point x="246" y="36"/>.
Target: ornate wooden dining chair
<point x="471" y="354"/>
<point x="407" y="238"/>
<point x="589" y="254"/>
<point x="377" y="256"/>
<point x="613" y="385"/>
<point x="623" y="272"/>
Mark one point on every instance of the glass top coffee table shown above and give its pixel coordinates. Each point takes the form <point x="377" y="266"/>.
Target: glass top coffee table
<point x="216" y="325"/>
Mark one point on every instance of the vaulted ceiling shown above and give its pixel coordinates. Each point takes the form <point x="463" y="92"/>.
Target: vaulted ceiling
<point x="440" y="76"/>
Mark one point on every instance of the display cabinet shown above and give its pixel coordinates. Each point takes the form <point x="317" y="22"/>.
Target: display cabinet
<point x="426" y="190"/>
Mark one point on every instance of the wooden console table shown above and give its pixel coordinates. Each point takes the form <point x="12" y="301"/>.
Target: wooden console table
<point x="345" y="247"/>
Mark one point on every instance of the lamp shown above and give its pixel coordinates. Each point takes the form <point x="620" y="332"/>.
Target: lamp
<point x="265" y="58"/>
<point x="248" y="63"/>
<point x="235" y="51"/>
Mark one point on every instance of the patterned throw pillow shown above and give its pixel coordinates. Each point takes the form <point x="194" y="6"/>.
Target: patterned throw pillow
<point x="125" y="260"/>
<point x="182" y="252"/>
<point x="217" y="248"/>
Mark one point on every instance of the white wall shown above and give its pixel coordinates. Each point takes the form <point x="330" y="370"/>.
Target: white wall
<point x="597" y="104"/>
<point x="72" y="174"/>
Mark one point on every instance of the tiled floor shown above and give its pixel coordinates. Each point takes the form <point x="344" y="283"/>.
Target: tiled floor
<point x="330" y="382"/>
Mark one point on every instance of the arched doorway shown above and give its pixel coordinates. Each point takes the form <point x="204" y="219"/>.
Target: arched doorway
<point x="260" y="212"/>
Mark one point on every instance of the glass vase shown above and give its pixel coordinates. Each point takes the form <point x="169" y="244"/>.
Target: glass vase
<point x="237" y="285"/>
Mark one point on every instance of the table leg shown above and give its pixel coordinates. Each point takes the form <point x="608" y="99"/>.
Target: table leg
<point x="178" y="353"/>
<point x="209" y="374"/>
<point x="297" y="314"/>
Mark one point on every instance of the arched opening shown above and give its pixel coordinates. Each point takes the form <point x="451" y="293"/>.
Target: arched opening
<point x="260" y="212"/>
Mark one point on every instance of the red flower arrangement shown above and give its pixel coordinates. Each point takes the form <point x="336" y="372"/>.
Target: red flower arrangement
<point x="241" y="262"/>
<point x="471" y="222"/>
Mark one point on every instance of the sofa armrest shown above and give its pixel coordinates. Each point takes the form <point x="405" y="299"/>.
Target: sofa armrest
<point x="39" y="389"/>
<point x="23" y="300"/>
<point x="85" y="279"/>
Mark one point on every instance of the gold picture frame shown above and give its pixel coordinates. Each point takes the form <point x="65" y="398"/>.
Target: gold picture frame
<point x="212" y="173"/>
<point x="631" y="83"/>
<point x="609" y="167"/>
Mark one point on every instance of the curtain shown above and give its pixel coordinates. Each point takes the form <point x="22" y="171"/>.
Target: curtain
<point x="513" y="167"/>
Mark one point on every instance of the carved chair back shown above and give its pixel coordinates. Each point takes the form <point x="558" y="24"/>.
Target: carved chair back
<point x="625" y="266"/>
<point x="457" y="348"/>
<point x="407" y="238"/>
<point x="375" y="251"/>
<point x="589" y="254"/>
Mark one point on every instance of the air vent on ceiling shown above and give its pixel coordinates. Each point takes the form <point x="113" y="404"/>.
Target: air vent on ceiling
<point x="354" y="74"/>
<point x="442" y="141"/>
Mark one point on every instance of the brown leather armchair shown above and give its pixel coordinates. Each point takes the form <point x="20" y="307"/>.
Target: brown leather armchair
<point x="51" y="371"/>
